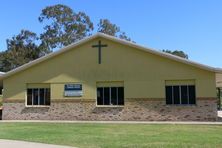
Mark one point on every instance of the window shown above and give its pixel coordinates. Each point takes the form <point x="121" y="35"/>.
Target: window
<point x="38" y="96"/>
<point x="1" y="88"/>
<point x="180" y="94"/>
<point x="110" y="96"/>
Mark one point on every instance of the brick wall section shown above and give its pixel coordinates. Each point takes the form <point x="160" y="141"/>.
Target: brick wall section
<point x="133" y="110"/>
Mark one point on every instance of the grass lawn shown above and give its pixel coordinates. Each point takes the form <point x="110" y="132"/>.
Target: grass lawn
<point x="115" y="135"/>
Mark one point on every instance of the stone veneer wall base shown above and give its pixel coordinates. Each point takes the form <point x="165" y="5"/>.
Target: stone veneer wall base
<point x="133" y="110"/>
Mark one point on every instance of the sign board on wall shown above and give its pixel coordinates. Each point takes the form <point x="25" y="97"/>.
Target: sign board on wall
<point x="73" y="90"/>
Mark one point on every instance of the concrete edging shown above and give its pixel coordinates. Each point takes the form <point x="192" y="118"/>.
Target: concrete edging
<point x="114" y="122"/>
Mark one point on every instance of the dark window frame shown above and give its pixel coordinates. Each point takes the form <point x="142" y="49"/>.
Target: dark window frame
<point x="112" y="101"/>
<point x="171" y="100"/>
<point x="1" y="90"/>
<point x="43" y="97"/>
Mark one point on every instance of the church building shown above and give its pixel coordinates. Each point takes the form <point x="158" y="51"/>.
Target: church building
<point x="106" y="78"/>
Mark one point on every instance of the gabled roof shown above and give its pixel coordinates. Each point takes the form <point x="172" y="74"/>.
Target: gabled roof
<point x="115" y="39"/>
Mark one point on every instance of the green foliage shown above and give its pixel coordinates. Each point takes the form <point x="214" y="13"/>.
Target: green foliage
<point x="179" y="53"/>
<point x="21" y="49"/>
<point x="125" y="37"/>
<point x="115" y="135"/>
<point x="106" y="27"/>
<point x="63" y="26"/>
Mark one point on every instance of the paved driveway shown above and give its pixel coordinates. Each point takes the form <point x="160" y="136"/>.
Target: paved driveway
<point x="21" y="144"/>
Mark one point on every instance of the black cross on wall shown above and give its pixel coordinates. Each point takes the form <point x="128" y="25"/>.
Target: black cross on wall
<point x="99" y="46"/>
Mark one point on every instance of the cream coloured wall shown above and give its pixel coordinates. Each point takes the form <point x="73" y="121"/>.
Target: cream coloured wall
<point x="143" y="73"/>
<point x="219" y="80"/>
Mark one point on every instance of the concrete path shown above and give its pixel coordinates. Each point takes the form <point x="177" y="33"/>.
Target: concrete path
<point x="22" y="144"/>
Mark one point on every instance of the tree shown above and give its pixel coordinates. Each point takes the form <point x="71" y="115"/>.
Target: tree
<point x="64" y="26"/>
<point x="105" y="26"/>
<point x="21" y="49"/>
<point x="179" y="53"/>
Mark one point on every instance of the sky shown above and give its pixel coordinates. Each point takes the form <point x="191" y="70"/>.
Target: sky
<point x="194" y="26"/>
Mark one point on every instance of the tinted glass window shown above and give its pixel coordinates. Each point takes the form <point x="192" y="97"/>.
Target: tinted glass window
<point x="100" y="96"/>
<point x="38" y="96"/>
<point x="169" y="96"/>
<point x="1" y="88"/>
<point x="35" y="96"/>
<point x="176" y="95"/>
<point x="106" y="96"/>
<point x="47" y="96"/>
<point x="192" y="94"/>
<point x="114" y="95"/>
<point x="110" y="96"/>
<point x="29" y="97"/>
<point x="184" y="94"/>
<point x="120" y="96"/>
<point x="42" y="96"/>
